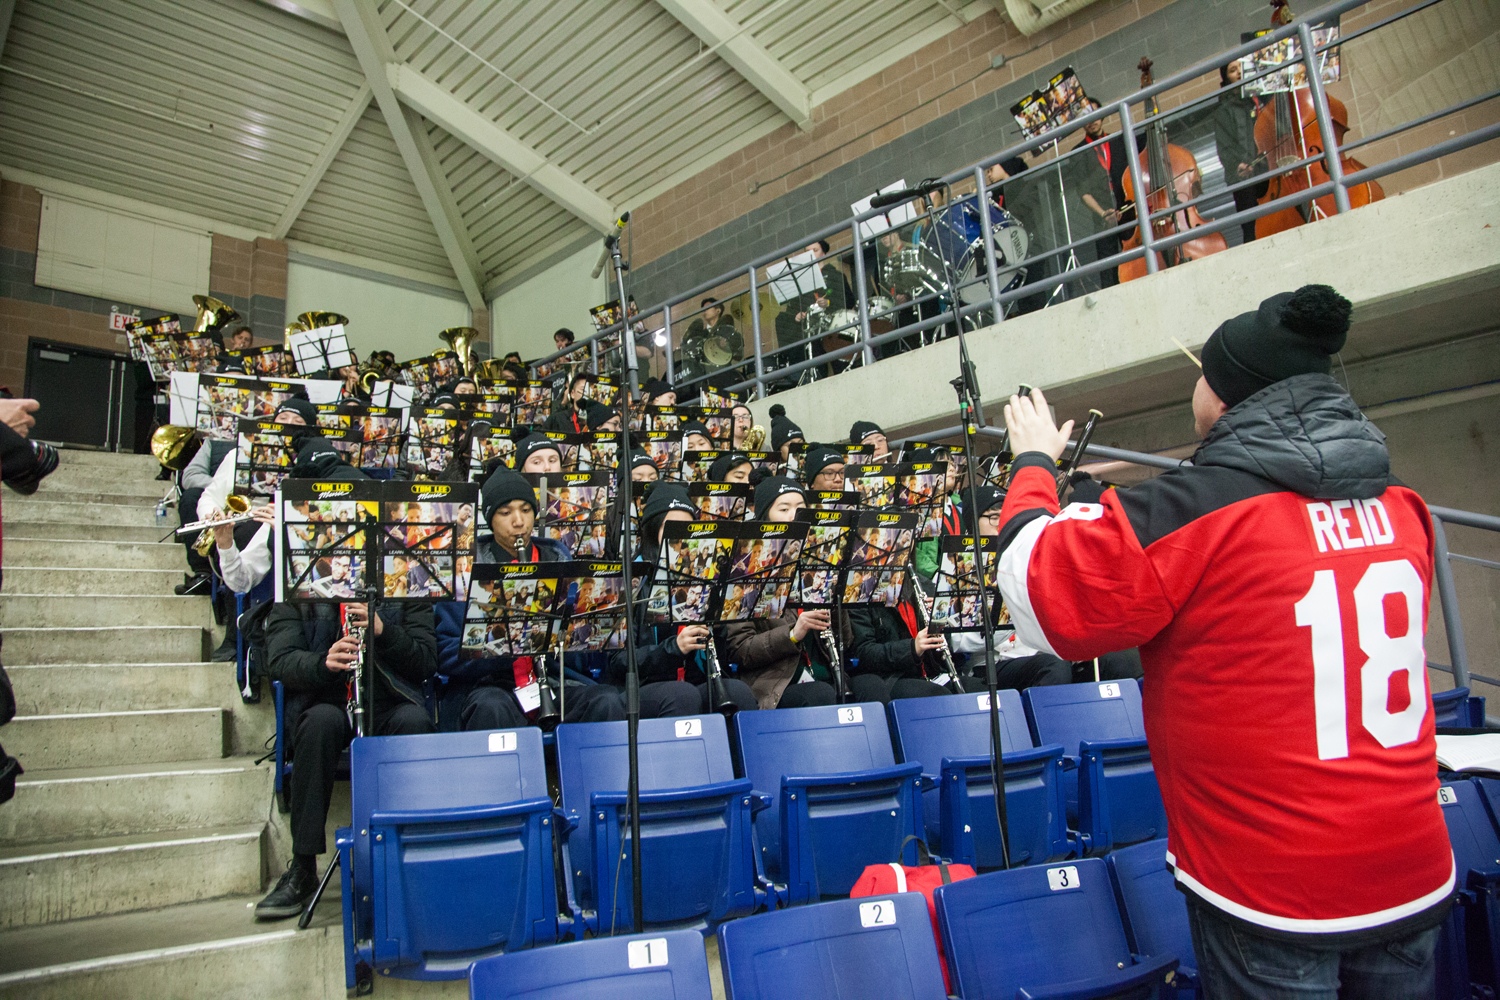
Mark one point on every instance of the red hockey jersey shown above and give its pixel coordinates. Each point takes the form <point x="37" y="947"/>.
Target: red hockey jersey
<point x="1285" y="689"/>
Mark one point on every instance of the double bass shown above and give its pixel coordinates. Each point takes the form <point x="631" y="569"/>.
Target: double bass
<point x="1171" y="177"/>
<point x="1287" y="132"/>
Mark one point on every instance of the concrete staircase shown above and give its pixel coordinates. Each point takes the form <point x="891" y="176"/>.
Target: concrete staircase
<point x="142" y="832"/>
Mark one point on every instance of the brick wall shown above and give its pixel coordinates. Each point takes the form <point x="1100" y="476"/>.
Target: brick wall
<point x="250" y="277"/>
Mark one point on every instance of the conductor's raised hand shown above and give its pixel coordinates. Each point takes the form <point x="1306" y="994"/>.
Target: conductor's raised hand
<point x="692" y="638"/>
<point x="1031" y="429"/>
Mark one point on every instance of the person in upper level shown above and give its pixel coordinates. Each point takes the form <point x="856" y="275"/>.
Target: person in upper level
<point x="570" y="414"/>
<point x="502" y="692"/>
<point x="1278" y="589"/>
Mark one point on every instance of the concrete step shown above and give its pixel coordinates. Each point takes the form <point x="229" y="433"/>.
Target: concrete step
<point x="81" y="803"/>
<point x="114" y="644"/>
<point x="63" y="531"/>
<point x="56" y="553"/>
<point x="68" y="688"/>
<point x="100" y="489"/>
<point x="92" y="580"/>
<point x="85" y="479"/>
<point x="87" y="878"/>
<point x="93" y="739"/>
<point x="213" y="948"/>
<point x="83" y="610"/>
<point x="128" y="464"/>
<point x="51" y="510"/>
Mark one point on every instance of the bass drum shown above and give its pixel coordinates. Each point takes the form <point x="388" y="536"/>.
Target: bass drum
<point x="1011" y="245"/>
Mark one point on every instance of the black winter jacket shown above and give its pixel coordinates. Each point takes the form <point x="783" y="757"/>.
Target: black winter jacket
<point x="298" y="637"/>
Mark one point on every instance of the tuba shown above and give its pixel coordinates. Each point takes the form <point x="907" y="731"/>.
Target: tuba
<point x="315" y="319"/>
<point x="173" y="446"/>
<point x="461" y="339"/>
<point x="212" y="314"/>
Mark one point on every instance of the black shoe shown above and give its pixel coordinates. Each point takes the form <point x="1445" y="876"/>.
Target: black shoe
<point x="227" y="652"/>
<point x="291" y="894"/>
<point x="190" y="585"/>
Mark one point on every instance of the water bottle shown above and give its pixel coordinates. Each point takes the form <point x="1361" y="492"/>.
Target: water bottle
<point x="161" y="514"/>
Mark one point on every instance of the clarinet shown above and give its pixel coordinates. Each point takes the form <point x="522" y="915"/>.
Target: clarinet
<point x="953" y="684"/>
<point x="717" y="696"/>
<point x="352" y="708"/>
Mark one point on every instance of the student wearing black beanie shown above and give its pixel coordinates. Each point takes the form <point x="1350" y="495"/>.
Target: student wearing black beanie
<point x="668" y="656"/>
<point x="538" y="453"/>
<point x="695" y="436"/>
<point x="643" y="468"/>
<point x="823" y="468"/>
<point x="300" y="406"/>
<point x="603" y="418"/>
<point x="1293" y="333"/>
<point x="770" y="488"/>
<point x="735" y="467"/>
<point x="486" y="688"/>
<point x="864" y="432"/>
<point x="318" y="459"/>
<point x="783" y="431"/>
<point x="656" y="391"/>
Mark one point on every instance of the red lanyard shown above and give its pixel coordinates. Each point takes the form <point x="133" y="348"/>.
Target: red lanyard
<point x="1104" y="156"/>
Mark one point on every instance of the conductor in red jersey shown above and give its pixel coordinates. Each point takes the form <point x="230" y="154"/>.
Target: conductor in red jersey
<point x="1278" y="591"/>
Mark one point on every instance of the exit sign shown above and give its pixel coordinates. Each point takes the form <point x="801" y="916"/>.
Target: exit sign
<point x="118" y="320"/>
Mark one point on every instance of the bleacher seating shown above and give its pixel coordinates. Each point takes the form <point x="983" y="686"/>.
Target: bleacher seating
<point x="698" y="861"/>
<point x="1052" y="931"/>
<point x="1469" y="950"/>
<point x="1457" y="709"/>
<point x="449" y="855"/>
<point x="840" y="800"/>
<point x="246" y="671"/>
<point x="1112" y="794"/>
<point x="852" y="949"/>
<point x="1155" y="912"/>
<point x="950" y="737"/>
<point x="668" y="966"/>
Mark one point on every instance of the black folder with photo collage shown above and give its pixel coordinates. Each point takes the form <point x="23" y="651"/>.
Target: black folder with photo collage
<point x="713" y="571"/>
<point x="528" y="609"/>
<point x="695" y="464"/>
<point x="575" y="510"/>
<point x="721" y="501"/>
<point x="956" y="606"/>
<point x="223" y="401"/>
<point x="369" y="437"/>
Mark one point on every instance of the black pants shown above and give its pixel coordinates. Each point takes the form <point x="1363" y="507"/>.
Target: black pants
<point x="806" y="695"/>
<point x="318" y="738"/>
<point x="664" y="699"/>
<point x="491" y="707"/>
<point x="1245" y="198"/>
<point x="873" y="687"/>
<point x="1107" y="246"/>
<point x="1021" y="672"/>
<point x="1112" y="667"/>
<point x="187" y="512"/>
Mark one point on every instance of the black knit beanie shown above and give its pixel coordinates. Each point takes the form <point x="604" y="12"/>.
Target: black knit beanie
<point x="598" y="414"/>
<point x="819" y="459"/>
<point x="721" y="466"/>
<point x="782" y="429"/>
<point x="318" y="459"/>
<point x="299" y="406"/>
<point x="640" y="458"/>
<point x="987" y="496"/>
<point x="769" y="489"/>
<point x="532" y="443"/>
<point x="655" y="387"/>
<point x="664" y="498"/>
<point x="501" y="488"/>
<point x="696" y="427"/>
<point x="1293" y="333"/>
<point x="861" y="430"/>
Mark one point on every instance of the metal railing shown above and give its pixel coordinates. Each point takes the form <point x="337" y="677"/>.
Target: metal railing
<point x="935" y="309"/>
<point x="1458" y="650"/>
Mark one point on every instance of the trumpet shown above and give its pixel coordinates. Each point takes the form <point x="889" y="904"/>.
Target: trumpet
<point x="236" y="506"/>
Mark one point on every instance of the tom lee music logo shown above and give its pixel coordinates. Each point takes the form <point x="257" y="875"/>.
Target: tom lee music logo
<point x="517" y="569"/>
<point x="888" y="518"/>
<point x="576" y="477"/>
<point x="702" y="527"/>
<point x="772" y="530"/>
<point x="606" y="568"/>
<point x="327" y="491"/>
<point x="717" y="488"/>
<point x="431" y="489"/>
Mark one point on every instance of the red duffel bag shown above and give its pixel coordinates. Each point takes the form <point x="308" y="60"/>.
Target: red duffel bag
<point x="882" y="880"/>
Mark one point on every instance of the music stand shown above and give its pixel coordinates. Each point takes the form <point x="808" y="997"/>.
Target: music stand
<point x="432" y="440"/>
<point x="224" y="400"/>
<point x="721" y="501"/>
<point x="491" y="441"/>
<point x="956" y="601"/>
<point x="574" y="510"/>
<point x="325" y="348"/>
<point x="824" y="554"/>
<point x="264" y="454"/>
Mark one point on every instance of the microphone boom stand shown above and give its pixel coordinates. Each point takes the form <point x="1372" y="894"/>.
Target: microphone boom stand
<point x="970" y="408"/>
<point x="627" y="557"/>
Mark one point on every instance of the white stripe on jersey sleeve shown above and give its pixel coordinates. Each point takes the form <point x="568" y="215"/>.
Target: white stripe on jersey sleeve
<point x="1011" y="575"/>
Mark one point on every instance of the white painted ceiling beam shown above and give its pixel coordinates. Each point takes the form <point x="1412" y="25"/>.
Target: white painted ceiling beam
<point x="352" y="114"/>
<point x="469" y="126"/>
<point x="373" y="50"/>
<point x="749" y="58"/>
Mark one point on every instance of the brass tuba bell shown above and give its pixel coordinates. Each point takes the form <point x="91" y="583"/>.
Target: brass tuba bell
<point x="174" y="446"/>
<point x="313" y="320"/>
<point x="212" y="314"/>
<point x="755" y="438"/>
<point x="461" y="339"/>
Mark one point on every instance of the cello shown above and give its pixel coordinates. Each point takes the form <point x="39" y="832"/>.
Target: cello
<point x="1171" y="177"/>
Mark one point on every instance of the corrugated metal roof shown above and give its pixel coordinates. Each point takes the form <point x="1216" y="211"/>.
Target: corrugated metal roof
<point x="118" y="95"/>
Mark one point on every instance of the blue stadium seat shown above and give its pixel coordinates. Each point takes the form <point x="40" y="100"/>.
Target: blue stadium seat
<point x="247" y="673"/>
<point x="840" y="800"/>
<point x="449" y="856"/>
<point x="851" y="949"/>
<point x="1113" y="798"/>
<point x="1042" y="931"/>
<point x="1457" y="709"/>
<point x="950" y="737"/>
<point x="1156" y="917"/>
<point x="1470" y="948"/>
<point x="698" y="861"/>
<point x="668" y="966"/>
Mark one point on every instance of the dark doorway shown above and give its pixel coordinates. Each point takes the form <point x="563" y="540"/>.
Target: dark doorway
<point x="88" y="396"/>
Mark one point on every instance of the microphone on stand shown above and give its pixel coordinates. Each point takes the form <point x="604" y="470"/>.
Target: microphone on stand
<point x="608" y="243"/>
<point x="897" y="197"/>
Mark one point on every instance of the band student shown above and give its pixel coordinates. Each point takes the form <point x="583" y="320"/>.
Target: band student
<point x="711" y="341"/>
<point x="781" y="658"/>
<point x="492" y="688"/>
<point x="1278" y="589"/>
<point x="305" y="652"/>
